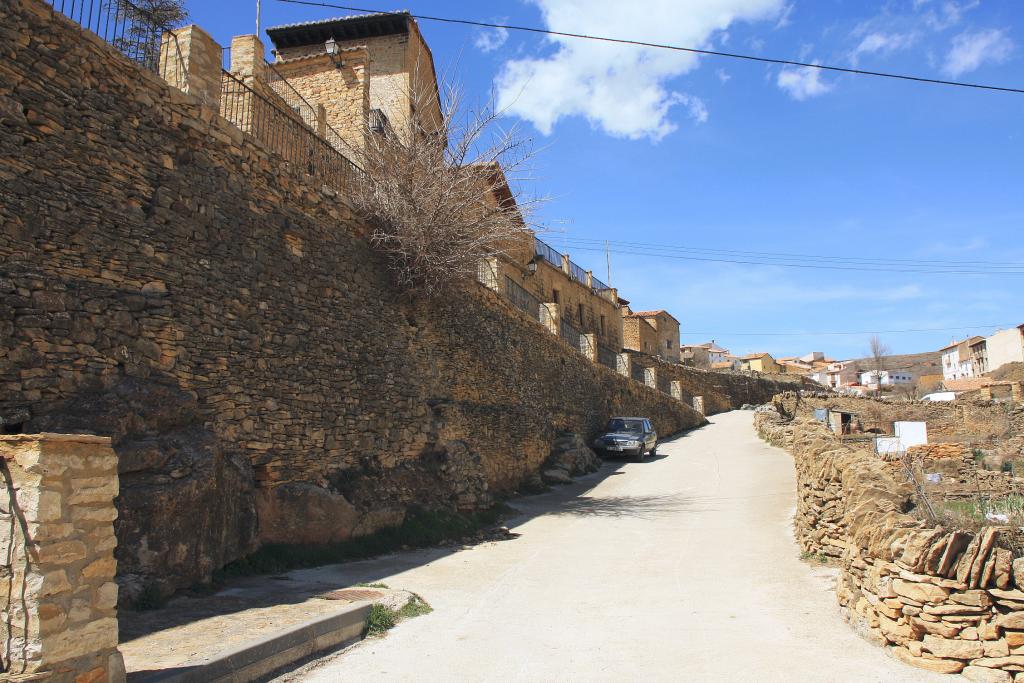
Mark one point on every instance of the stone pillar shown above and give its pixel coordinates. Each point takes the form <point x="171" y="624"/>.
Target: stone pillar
<point x="551" y="317"/>
<point x="566" y="268"/>
<point x="191" y="60"/>
<point x="985" y="393"/>
<point x="247" y="57"/>
<point x="588" y="346"/>
<point x="624" y="364"/>
<point x="590" y="279"/>
<point x="651" y="377"/>
<point x="698" y="404"/>
<point x="58" y="535"/>
<point x="677" y="390"/>
<point x="321" y="122"/>
<point x="1017" y="392"/>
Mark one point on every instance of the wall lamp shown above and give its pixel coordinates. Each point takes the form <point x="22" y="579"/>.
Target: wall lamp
<point x="333" y="51"/>
<point x="531" y="266"/>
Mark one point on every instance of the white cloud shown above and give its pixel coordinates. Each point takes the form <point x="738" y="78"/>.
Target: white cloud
<point x="723" y="75"/>
<point x="883" y="43"/>
<point x="802" y="82"/>
<point x="972" y="49"/>
<point x="621" y="89"/>
<point x="784" y="17"/>
<point x="694" y="106"/>
<point x="491" y="39"/>
<point x="947" y="14"/>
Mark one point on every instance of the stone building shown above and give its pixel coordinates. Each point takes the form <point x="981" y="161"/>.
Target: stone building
<point x="366" y="72"/>
<point x="653" y="332"/>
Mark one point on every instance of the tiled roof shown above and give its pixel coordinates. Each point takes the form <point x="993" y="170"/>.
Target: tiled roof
<point x="353" y="27"/>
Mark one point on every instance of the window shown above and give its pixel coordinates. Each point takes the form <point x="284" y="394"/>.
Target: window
<point x="554" y="295"/>
<point x="579" y="313"/>
<point x="602" y="326"/>
<point x="668" y="344"/>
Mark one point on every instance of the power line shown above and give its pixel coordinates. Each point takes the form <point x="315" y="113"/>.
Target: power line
<point x="663" y="46"/>
<point x="586" y="241"/>
<point x="811" y="334"/>
<point x="813" y="266"/>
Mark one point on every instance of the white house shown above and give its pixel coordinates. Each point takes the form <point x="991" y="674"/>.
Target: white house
<point x="1006" y="346"/>
<point x="963" y="359"/>
<point x="888" y="378"/>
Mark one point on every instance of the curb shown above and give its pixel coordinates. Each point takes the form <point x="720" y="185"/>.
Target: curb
<point x="265" y="655"/>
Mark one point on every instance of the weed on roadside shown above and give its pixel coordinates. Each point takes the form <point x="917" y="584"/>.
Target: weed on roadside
<point x="815" y="558"/>
<point x="382" y="618"/>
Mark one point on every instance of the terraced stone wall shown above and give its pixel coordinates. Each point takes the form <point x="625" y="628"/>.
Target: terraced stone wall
<point x="167" y="281"/>
<point x="946" y="600"/>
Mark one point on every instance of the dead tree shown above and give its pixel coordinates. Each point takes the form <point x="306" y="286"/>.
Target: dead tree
<point x="441" y="189"/>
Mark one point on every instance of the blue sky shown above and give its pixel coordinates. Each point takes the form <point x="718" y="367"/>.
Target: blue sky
<point x="658" y="147"/>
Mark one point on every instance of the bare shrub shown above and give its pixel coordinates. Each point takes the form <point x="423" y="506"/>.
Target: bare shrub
<point x="440" y="189"/>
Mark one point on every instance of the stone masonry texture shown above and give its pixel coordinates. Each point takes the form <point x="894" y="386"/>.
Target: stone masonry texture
<point x="168" y="282"/>
<point x="57" y="540"/>
<point x="941" y="599"/>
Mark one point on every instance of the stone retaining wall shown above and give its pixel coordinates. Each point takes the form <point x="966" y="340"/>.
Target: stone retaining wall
<point x="945" y="600"/>
<point x="722" y="391"/>
<point x="57" y="544"/>
<point x="169" y="282"/>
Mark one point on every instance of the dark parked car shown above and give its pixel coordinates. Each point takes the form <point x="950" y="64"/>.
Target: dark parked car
<point x="627" y="436"/>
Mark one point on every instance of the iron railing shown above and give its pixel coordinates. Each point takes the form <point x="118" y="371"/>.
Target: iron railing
<point x="598" y="285"/>
<point x="135" y="32"/>
<point x="577" y="273"/>
<point x="570" y="334"/>
<point x="548" y="253"/>
<point x="284" y="132"/>
<point x="521" y="298"/>
<point x="487" y="273"/>
<point x="379" y="122"/>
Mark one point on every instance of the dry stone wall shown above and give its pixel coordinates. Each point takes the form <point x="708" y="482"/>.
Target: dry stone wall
<point x="168" y="282"/>
<point x="941" y="599"/>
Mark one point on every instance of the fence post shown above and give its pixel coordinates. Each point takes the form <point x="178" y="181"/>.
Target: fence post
<point x="1017" y="392"/>
<point x="191" y="60"/>
<point x="624" y="365"/>
<point x="677" y="390"/>
<point x="59" y="589"/>
<point x="588" y="346"/>
<point x="551" y="318"/>
<point x="698" y="404"/>
<point x="566" y="267"/>
<point x="651" y="377"/>
<point x="590" y="279"/>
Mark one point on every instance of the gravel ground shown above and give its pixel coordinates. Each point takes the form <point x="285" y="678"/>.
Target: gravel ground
<point x="678" y="568"/>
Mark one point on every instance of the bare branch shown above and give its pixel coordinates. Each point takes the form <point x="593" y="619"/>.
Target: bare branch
<point x="441" y="190"/>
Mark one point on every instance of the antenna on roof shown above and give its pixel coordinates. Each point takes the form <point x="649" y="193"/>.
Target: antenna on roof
<point x="608" y="257"/>
<point x="257" y="17"/>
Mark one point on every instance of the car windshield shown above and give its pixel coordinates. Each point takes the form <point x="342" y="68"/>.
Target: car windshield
<point x="620" y="425"/>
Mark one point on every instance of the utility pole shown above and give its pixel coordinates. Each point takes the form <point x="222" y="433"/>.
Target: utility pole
<point x="257" y="18"/>
<point x="608" y="259"/>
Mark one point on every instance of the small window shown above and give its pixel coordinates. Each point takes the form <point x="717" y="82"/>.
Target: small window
<point x="554" y="295"/>
<point x="668" y="344"/>
<point x="579" y="313"/>
<point x="602" y="326"/>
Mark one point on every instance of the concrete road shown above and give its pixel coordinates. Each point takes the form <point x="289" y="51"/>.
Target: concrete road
<point x="682" y="568"/>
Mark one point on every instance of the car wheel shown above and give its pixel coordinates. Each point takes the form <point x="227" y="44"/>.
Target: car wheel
<point x="654" y="450"/>
<point x="640" y="454"/>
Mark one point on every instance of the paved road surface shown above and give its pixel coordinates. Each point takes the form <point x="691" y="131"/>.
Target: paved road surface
<point x="681" y="568"/>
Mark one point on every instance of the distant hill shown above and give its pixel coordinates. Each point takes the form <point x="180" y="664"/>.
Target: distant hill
<point x="916" y="363"/>
<point x="1011" y="372"/>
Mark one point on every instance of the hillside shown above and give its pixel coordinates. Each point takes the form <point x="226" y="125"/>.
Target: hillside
<point x="1011" y="372"/>
<point x="917" y="364"/>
